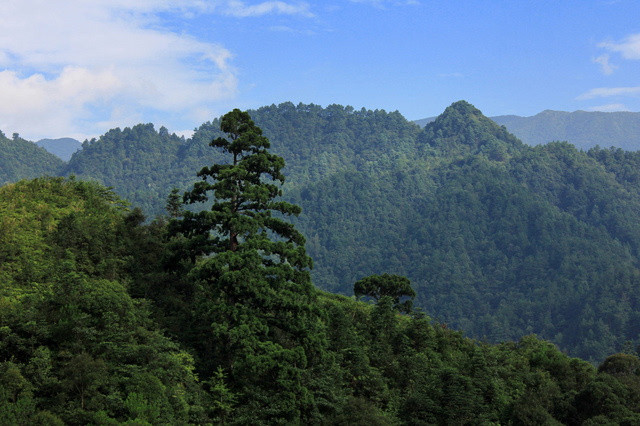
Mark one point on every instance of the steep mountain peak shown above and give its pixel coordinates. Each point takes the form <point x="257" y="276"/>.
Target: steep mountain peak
<point x="462" y="128"/>
<point x="460" y="115"/>
<point x="463" y="107"/>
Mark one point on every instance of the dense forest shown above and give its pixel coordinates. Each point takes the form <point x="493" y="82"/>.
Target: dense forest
<point x="504" y="239"/>
<point x="208" y="316"/>
<point x="20" y="159"/>
<point x="499" y="239"/>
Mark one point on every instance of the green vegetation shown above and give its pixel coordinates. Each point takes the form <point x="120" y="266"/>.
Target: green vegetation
<point x="385" y="285"/>
<point x="81" y="346"/>
<point x="20" y="159"/>
<point x="499" y="239"/>
<point x="142" y="163"/>
<point x="254" y="295"/>
<point x="76" y="348"/>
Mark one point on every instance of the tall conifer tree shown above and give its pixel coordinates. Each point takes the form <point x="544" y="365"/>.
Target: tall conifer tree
<point x="254" y="285"/>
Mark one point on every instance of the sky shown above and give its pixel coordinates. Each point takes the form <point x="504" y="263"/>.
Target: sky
<point x="77" y="68"/>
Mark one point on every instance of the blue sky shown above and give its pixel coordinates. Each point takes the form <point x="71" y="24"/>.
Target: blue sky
<point x="78" y="68"/>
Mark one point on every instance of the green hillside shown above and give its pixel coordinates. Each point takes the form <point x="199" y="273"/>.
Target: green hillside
<point x="21" y="159"/>
<point x="140" y="163"/>
<point x="81" y="345"/>
<point x="76" y="348"/>
<point x="500" y="239"/>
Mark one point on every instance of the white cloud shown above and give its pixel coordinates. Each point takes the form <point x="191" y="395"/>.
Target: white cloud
<point x="629" y="47"/>
<point x="70" y="67"/>
<point x="609" y="108"/>
<point x="605" y="92"/>
<point x="285" y="29"/>
<point x="381" y="3"/>
<point x="239" y="9"/>
<point x="185" y="133"/>
<point x="603" y="60"/>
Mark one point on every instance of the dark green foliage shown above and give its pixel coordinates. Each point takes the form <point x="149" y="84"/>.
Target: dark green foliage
<point x="393" y="286"/>
<point x="254" y="289"/>
<point x="77" y="348"/>
<point x="20" y="159"/>
<point x="75" y="345"/>
<point x="174" y="204"/>
<point x="620" y="365"/>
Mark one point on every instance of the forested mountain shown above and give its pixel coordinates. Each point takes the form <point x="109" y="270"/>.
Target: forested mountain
<point x="98" y="328"/>
<point x="500" y="239"/>
<point x="21" y="159"/>
<point x="142" y="163"/>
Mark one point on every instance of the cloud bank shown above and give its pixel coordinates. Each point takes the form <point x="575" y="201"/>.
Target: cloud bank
<point x="606" y="92"/>
<point x="629" y="47"/>
<point x="603" y="60"/>
<point x="74" y="67"/>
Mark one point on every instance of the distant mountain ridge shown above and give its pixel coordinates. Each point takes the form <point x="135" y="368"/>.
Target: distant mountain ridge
<point x="63" y="148"/>
<point x="584" y="129"/>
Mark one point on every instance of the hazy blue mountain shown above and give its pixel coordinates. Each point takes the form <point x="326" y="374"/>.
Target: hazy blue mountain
<point x="580" y="128"/>
<point x="424" y="121"/>
<point x="62" y="147"/>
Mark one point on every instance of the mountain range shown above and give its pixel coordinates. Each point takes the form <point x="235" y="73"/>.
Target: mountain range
<point x="581" y="128"/>
<point x="499" y="238"/>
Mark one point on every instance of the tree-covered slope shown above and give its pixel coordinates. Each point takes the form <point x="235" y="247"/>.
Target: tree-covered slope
<point x="143" y="164"/>
<point x="140" y="163"/>
<point x="21" y="159"/>
<point x="75" y="347"/>
<point x="80" y="346"/>
<point x="500" y="239"/>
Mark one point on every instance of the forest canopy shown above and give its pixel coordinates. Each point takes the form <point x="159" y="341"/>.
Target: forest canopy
<point x="108" y="313"/>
